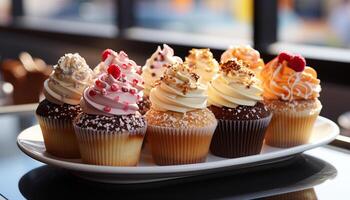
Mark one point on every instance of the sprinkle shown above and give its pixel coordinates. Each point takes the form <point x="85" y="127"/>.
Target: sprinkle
<point x="132" y="91"/>
<point x="114" y="87"/>
<point x="116" y="99"/>
<point x="135" y="82"/>
<point x="92" y="93"/>
<point x="100" y="84"/>
<point x="103" y="91"/>
<point x="124" y="89"/>
<point x="107" y="109"/>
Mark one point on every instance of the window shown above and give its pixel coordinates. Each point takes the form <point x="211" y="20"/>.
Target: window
<point x="231" y="19"/>
<point x="315" y="22"/>
<point x="97" y="17"/>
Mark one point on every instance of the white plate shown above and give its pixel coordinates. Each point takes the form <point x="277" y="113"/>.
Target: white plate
<point x="30" y="141"/>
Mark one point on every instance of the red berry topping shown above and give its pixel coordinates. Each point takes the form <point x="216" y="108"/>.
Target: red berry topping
<point x="132" y="91"/>
<point x="124" y="66"/>
<point x="297" y="63"/>
<point x="135" y="82"/>
<point x="285" y="56"/>
<point x="139" y="71"/>
<point x="125" y="89"/>
<point x="92" y="93"/>
<point x="107" y="109"/>
<point x="106" y="53"/>
<point x="103" y="91"/>
<point x="114" y="87"/>
<point x="114" y="70"/>
<point x="100" y="84"/>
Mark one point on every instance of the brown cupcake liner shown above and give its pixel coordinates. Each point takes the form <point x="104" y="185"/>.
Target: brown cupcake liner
<point x="59" y="137"/>
<point x="308" y="194"/>
<point x="110" y="148"/>
<point x="288" y="129"/>
<point x="237" y="138"/>
<point x="175" y="146"/>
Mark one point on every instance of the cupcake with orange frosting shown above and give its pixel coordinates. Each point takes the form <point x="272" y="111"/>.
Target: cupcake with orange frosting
<point x="291" y="91"/>
<point x="153" y="70"/>
<point x="202" y="62"/>
<point x="247" y="54"/>
<point x="180" y="127"/>
<point x="110" y="130"/>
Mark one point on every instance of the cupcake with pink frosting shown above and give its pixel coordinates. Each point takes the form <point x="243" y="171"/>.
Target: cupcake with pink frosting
<point x="110" y="130"/>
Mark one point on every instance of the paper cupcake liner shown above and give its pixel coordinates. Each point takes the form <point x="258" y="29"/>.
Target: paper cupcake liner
<point x="289" y="129"/>
<point x="110" y="148"/>
<point x="175" y="146"/>
<point x="59" y="137"/>
<point x="308" y="194"/>
<point x="237" y="138"/>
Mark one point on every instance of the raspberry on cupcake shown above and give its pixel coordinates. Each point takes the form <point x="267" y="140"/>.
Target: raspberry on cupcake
<point x="110" y="130"/>
<point x="291" y="91"/>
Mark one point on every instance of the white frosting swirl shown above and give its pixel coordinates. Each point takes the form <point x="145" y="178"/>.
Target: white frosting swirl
<point x="69" y="79"/>
<point x="179" y="90"/>
<point x="156" y="65"/>
<point x="203" y="63"/>
<point x="235" y="85"/>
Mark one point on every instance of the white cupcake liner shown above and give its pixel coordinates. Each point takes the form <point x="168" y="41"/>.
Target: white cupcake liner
<point x="174" y="146"/>
<point x="237" y="138"/>
<point x="59" y="137"/>
<point x="110" y="148"/>
<point x="289" y="129"/>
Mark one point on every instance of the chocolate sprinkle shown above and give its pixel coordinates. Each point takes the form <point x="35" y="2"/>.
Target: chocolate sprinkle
<point x="55" y="111"/>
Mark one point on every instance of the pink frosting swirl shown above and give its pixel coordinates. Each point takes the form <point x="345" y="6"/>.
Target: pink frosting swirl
<point x="117" y="88"/>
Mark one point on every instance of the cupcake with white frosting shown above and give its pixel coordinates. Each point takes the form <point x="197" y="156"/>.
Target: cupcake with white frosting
<point x="235" y="98"/>
<point x="110" y="130"/>
<point x="63" y="90"/>
<point x="154" y="69"/>
<point x="180" y="127"/>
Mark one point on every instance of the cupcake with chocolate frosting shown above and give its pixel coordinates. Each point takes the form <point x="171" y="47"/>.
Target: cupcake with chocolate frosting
<point x="235" y="98"/>
<point x="202" y="62"/>
<point x="110" y="130"/>
<point x="291" y="91"/>
<point x="180" y="127"/>
<point x="247" y="54"/>
<point x="153" y="70"/>
<point x="63" y="90"/>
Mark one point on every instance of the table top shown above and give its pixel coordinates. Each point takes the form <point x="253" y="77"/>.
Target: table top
<point x="321" y="173"/>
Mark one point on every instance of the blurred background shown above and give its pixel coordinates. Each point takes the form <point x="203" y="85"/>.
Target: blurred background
<point x="318" y="29"/>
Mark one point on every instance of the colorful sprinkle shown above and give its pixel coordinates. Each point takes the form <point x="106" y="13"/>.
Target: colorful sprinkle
<point x="107" y="109"/>
<point x="114" y="87"/>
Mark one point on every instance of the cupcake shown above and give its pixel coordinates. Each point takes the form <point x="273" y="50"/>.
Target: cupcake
<point x="110" y="130"/>
<point x="291" y="91"/>
<point x="201" y="62"/>
<point x="153" y="70"/>
<point x="180" y="127"/>
<point x="247" y="54"/>
<point x="235" y="98"/>
<point x="63" y="90"/>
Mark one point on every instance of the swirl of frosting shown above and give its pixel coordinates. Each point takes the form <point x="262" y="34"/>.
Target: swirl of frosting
<point x="156" y="65"/>
<point x="203" y="63"/>
<point x="282" y="82"/>
<point x="245" y="53"/>
<point x="178" y="90"/>
<point x="235" y="85"/>
<point x="116" y="92"/>
<point x="69" y="79"/>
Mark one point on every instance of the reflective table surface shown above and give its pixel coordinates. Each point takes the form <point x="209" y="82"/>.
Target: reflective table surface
<point x="321" y="173"/>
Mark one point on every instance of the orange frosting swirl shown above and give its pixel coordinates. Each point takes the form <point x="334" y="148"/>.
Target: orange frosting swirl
<point x="245" y="53"/>
<point x="283" y="83"/>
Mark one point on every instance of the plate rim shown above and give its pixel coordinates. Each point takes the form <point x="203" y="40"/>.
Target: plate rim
<point x="177" y="168"/>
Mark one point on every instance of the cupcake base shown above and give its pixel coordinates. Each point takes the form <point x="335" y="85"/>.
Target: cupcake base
<point x="292" y="122"/>
<point x="110" y="148"/>
<point x="175" y="146"/>
<point x="238" y="138"/>
<point x="59" y="137"/>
